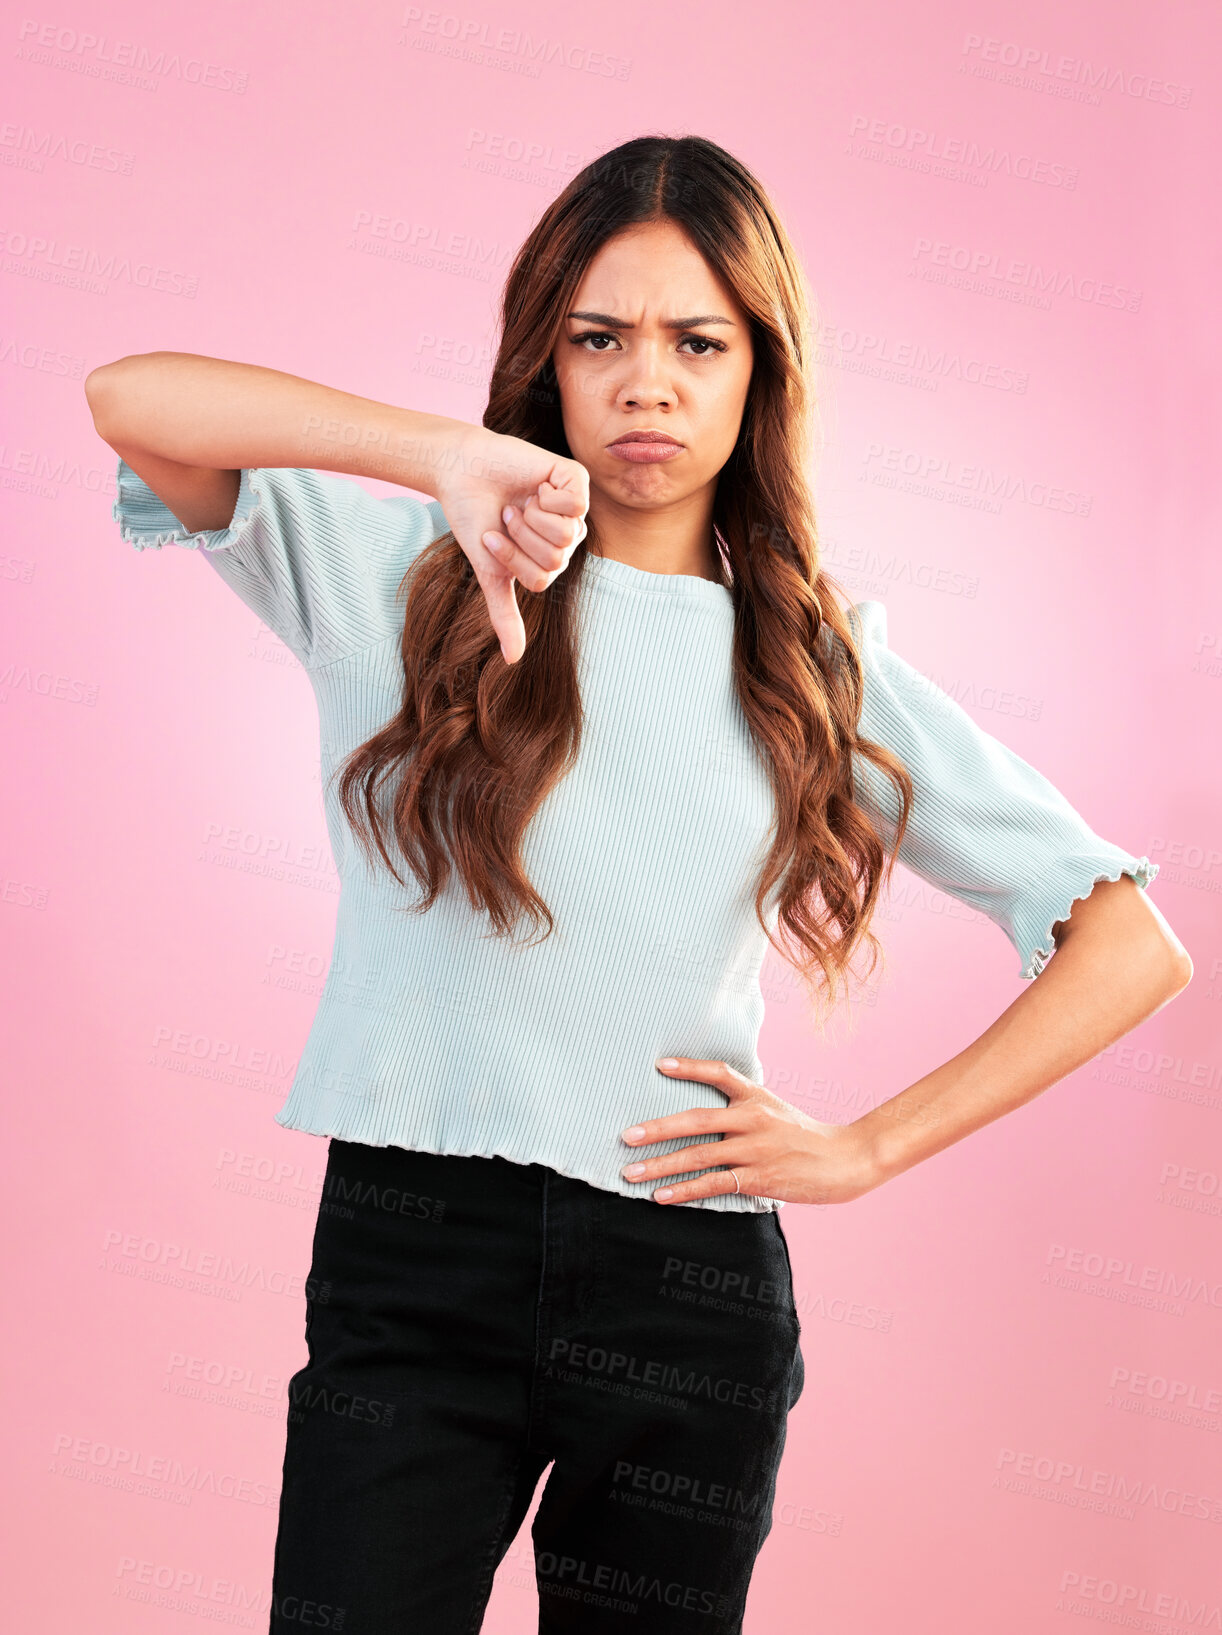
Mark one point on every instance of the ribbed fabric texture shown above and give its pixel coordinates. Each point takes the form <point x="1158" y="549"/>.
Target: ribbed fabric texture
<point x="434" y="1034"/>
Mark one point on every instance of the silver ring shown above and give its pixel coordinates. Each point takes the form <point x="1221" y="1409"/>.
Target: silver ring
<point x="737" y="1188"/>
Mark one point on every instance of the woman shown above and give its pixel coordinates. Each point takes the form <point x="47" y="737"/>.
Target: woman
<point x="683" y="750"/>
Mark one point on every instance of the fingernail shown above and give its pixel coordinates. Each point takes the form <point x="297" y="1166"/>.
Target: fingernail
<point x="507" y="513"/>
<point x="667" y="1061"/>
<point x="664" y="1193"/>
<point x="636" y="1133"/>
<point x="633" y="1170"/>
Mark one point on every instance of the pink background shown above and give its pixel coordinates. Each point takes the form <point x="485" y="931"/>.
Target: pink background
<point x="1013" y="1405"/>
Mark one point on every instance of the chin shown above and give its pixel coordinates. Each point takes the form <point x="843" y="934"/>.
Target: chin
<point x="642" y="479"/>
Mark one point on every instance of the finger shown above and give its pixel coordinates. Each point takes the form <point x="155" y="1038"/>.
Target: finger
<point x="720" y="1075"/>
<point x="693" y="1121"/>
<point x="569" y="481"/>
<point x="525" y="554"/>
<point x="562" y="531"/>
<point x="561" y="502"/>
<point x="706" y="1186"/>
<point x="707" y="1155"/>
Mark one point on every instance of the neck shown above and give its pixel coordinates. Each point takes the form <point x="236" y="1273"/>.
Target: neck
<point x="672" y="538"/>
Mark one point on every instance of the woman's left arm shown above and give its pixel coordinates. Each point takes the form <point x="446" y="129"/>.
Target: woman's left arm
<point x="1117" y="962"/>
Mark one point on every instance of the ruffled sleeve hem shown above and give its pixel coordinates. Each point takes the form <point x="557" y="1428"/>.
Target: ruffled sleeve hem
<point x="146" y="522"/>
<point x="1033" y="932"/>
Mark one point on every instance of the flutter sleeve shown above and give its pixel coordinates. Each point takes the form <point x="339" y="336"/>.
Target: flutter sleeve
<point x="316" y="556"/>
<point x="985" y="826"/>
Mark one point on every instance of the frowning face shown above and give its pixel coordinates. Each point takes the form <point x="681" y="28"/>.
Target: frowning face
<point x="654" y="342"/>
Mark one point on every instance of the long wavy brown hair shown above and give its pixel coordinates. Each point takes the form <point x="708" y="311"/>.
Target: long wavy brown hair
<point x="456" y="776"/>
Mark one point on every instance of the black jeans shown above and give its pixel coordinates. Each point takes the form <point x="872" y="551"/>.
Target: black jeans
<point x="471" y="1321"/>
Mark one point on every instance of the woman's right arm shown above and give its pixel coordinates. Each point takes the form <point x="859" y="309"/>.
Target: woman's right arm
<point x="188" y="425"/>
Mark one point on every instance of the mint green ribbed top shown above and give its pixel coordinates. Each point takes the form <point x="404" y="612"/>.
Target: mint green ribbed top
<point x="435" y="1035"/>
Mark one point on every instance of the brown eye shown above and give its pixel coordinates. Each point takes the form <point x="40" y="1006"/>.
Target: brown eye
<point x="594" y="335"/>
<point x="705" y="340"/>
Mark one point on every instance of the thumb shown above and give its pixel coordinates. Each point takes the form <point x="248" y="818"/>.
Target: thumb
<point x="505" y="615"/>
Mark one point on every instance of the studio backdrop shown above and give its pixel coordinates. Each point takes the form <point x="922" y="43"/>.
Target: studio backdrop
<point x="1012" y="1414"/>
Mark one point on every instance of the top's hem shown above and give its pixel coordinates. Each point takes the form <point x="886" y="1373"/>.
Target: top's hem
<point x="768" y="1206"/>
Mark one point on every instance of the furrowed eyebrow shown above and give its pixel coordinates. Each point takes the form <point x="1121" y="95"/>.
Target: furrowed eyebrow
<point x="667" y="323"/>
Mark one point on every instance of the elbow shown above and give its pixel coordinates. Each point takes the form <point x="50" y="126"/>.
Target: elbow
<point x="1166" y="966"/>
<point x="1181" y="969"/>
<point x="1168" y="960"/>
<point x="1145" y="958"/>
<point x="104" y="393"/>
<point x="100" y="394"/>
<point x="1145" y="952"/>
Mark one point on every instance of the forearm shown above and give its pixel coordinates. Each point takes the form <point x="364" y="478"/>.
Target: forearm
<point x="210" y="412"/>
<point x="1117" y="965"/>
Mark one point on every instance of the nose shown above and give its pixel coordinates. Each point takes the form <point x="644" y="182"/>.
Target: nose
<point x="646" y="382"/>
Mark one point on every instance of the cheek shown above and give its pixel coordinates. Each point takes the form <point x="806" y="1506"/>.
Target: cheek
<point x="723" y="412"/>
<point x="581" y="399"/>
<point x="731" y="408"/>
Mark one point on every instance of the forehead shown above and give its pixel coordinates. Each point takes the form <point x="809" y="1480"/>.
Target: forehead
<point x="653" y="271"/>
